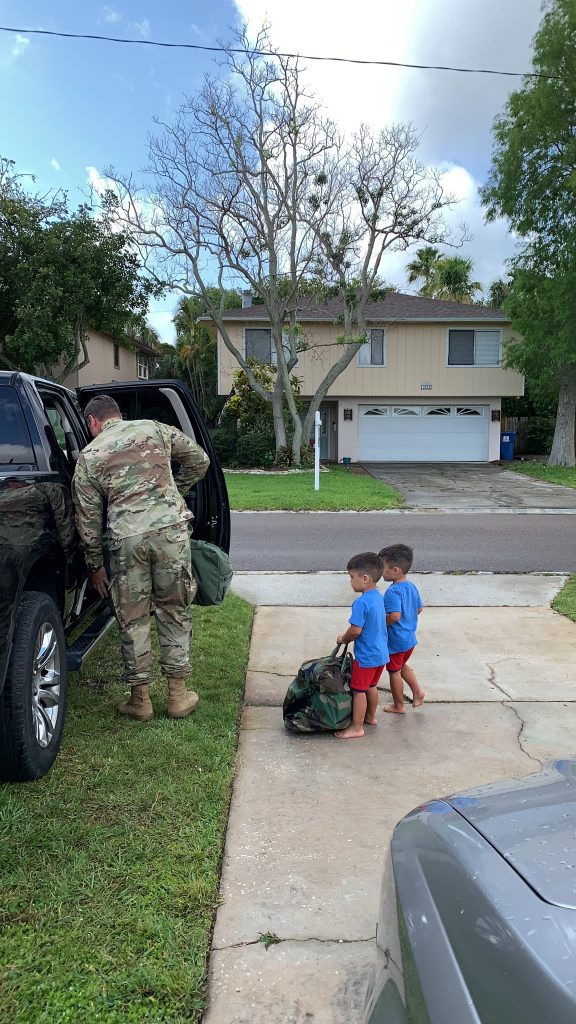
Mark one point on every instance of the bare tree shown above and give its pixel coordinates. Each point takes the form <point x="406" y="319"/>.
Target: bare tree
<point x="251" y="184"/>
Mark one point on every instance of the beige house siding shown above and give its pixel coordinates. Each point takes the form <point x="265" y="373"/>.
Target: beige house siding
<point x="101" y="368"/>
<point x="416" y="354"/>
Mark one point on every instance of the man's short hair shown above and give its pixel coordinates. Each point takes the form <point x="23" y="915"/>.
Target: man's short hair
<point x="102" y="408"/>
<point x="368" y="563"/>
<point x="398" y="556"/>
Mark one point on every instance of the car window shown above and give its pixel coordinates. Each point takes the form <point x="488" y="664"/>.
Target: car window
<point x="15" y="442"/>
<point x="67" y="438"/>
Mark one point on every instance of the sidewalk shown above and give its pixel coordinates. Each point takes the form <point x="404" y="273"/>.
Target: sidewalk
<point x="311" y="817"/>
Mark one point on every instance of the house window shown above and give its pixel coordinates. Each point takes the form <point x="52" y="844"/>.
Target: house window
<point x="116" y="356"/>
<point x="143" y="367"/>
<point x="258" y="345"/>
<point x="372" y="352"/>
<point x="474" y="348"/>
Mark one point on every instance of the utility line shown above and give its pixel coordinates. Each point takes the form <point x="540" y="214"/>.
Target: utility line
<point x="272" y="53"/>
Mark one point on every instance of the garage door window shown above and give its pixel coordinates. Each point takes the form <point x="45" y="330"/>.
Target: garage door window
<point x="474" y="348"/>
<point x="438" y="410"/>
<point x="469" y="410"/>
<point x="378" y="410"/>
<point x="373" y="351"/>
<point x="406" y="410"/>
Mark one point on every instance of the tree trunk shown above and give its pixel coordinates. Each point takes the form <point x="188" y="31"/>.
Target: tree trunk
<point x="278" y="413"/>
<point x="563" y="453"/>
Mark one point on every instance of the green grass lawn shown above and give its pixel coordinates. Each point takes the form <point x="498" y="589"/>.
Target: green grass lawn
<point x="565" y="601"/>
<point x="339" y="490"/>
<point x="551" y="474"/>
<point x="109" y="866"/>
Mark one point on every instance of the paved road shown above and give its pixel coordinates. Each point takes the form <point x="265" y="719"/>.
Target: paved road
<point x="494" y="543"/>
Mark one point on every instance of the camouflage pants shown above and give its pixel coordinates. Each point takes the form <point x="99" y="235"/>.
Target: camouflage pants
<point x="152" y="572"/>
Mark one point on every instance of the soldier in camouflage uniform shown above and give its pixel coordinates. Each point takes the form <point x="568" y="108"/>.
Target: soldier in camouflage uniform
<point x="124" y="475"/>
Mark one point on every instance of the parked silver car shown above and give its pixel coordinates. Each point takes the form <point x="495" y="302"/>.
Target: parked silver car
<point x="478" y="908"/>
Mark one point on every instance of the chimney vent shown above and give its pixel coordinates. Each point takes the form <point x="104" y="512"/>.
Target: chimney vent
<point x="246" y="300"/>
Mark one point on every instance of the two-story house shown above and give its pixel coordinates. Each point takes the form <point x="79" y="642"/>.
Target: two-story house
<point x="111" y="361"/>
<point x="426" y="386"/>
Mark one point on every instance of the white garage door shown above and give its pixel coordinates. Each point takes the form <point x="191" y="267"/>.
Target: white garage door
<point x="423" y="433"/>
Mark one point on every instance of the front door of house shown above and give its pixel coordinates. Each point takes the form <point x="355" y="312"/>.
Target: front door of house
<point x="324" y="437"/>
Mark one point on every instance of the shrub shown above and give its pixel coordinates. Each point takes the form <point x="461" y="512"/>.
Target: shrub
<point x="255" y="450"/>
<point x="285" y="456"/>
<point x="225" y="441"/>
<point x="537" y="435"/>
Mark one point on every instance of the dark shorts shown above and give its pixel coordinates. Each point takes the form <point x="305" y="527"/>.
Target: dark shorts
<point x="364" y="678"/>
<point x="398" y="660"/>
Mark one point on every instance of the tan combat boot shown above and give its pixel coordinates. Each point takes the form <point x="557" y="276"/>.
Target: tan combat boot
<point x="181" y="702"/>
<point x="138" y="705"/>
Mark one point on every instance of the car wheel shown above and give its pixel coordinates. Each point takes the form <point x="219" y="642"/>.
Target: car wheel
<point x="33" y="701"/>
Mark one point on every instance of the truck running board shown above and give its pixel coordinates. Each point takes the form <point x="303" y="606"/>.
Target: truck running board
<point x="83" y="645"/>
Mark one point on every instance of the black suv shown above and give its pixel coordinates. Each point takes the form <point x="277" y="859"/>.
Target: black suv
<point x="50" y="617"/>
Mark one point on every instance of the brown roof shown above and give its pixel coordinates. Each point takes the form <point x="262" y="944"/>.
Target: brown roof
<point x="394" y="307"/>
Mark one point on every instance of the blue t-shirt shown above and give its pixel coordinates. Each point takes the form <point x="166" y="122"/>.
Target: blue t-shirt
<point x="371" y="647"/>
<point x="402" y="597"/>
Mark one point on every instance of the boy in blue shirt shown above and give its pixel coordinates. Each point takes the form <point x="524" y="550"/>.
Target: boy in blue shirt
<point x="368" y="631"/>
<point x="403" y="605"/>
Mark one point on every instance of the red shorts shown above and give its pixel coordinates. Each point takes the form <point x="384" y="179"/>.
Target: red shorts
<point x="364" y="678"/>
<point x="398" y="660"/>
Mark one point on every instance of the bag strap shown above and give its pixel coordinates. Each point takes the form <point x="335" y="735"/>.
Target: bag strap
<point x="337" y="648"/>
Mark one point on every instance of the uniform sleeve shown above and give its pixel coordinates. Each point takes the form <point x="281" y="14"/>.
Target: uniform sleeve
<point x="392" y="602"/>
<point x="191" y="457"/>
<point x="89" y="508"/>
<point x="358" y="613"/>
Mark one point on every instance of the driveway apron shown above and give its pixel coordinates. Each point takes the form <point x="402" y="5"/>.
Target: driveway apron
<point x="450" y="487"/>
<point x="311" y="816"/>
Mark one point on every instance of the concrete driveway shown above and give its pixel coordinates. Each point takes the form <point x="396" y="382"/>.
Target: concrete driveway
<point x="311" y="816"/>
<point x="465" y="486"/>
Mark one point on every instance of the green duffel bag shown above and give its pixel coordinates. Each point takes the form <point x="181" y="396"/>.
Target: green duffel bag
<point x="212" y="571"/>
<point x="319" y="699"/>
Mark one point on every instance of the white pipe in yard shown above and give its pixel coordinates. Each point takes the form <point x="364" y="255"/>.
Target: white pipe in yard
<point x="317" y="422"/>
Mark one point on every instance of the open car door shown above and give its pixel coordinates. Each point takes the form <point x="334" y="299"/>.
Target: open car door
<point x="170" y="401"/>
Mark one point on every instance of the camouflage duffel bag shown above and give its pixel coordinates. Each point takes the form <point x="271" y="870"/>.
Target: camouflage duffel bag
<point x="319" y="699"/>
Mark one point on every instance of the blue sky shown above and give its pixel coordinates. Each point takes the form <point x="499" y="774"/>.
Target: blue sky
<point x="70" y="105"/>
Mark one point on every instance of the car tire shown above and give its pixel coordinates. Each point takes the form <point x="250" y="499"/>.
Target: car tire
<point x="33" y="701"/>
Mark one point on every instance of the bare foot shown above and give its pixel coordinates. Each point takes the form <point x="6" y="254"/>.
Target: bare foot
<point x="353" y="732"/>
<point x="371" y="721"/>
<point x="419" y="700"/>
<point x="391" y="709"/>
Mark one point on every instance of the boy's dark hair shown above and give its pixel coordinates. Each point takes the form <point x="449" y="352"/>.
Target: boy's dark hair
<point x="398" y="556"/>
<point x="367" y="564"/>
<point x="102" y="407"/>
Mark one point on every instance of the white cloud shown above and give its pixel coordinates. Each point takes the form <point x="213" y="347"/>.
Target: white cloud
<point x="143" y="27"/>
<point x="54" y="164"/>
<point x="112" y="16"/>
<point x="453" y="112"/>
<point x="19" y="46"/>
<point x="97" y="181"/>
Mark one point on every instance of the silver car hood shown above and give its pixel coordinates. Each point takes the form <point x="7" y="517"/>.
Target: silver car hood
<point x="531" y="822"/>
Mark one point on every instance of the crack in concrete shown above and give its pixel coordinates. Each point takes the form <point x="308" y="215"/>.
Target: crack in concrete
<point x="492" y="681"/>
<point x="514" y="710"/>
<point x="278" y="941"/>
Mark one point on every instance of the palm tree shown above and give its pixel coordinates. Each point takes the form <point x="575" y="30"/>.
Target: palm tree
<point x="423" y="268"/>
<point x="452" y="280"/>
<point x="497" y="292"/>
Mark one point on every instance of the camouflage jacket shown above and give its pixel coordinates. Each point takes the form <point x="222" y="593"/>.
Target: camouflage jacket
<point x="125" y="475"/>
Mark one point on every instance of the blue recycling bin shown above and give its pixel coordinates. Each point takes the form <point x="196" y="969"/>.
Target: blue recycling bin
<point x="507" y="445"/>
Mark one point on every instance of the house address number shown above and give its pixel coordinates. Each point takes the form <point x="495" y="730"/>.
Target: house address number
<point x="425" y="387"/>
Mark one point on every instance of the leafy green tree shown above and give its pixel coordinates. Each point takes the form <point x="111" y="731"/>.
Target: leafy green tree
<point x="498" y="291"/>
<point x="194" y="358"/>
<point x="532" y="182"/>
<point x="60" y="273"/>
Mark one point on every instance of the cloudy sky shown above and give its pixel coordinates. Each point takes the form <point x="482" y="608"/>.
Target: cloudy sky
<point x="69" y="108"/>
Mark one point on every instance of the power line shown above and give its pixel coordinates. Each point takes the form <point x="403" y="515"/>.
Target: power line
<point x="271" y="53"/>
